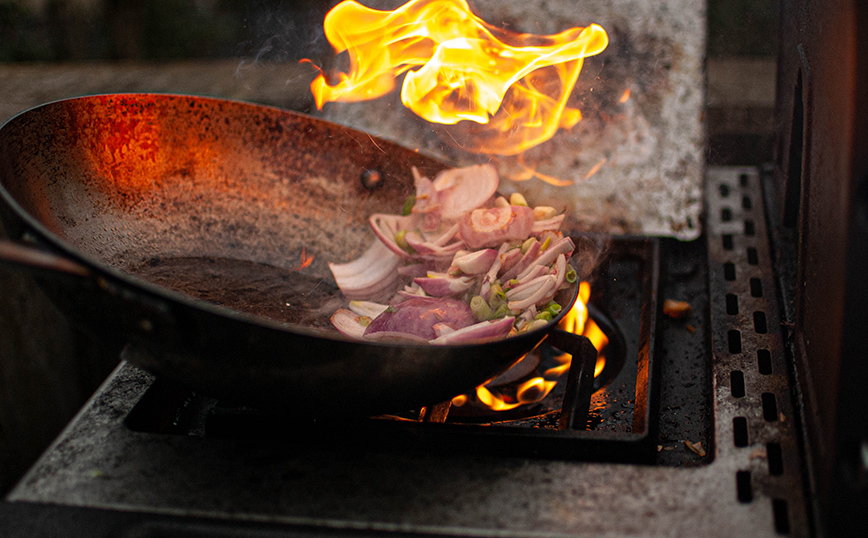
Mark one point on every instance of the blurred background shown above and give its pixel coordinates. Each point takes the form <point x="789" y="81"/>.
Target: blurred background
<point x="50" y="49"/>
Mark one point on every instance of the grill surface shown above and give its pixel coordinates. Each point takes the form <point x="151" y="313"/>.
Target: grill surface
<point x="750" y="483"/>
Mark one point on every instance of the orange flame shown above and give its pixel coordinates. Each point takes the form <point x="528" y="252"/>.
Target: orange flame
<point x="460" y="68"/>
<point x="305" y="260"/>
<point x="535" y="389"/>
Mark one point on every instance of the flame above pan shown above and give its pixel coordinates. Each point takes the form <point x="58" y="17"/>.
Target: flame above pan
<point x="508" y="91"/>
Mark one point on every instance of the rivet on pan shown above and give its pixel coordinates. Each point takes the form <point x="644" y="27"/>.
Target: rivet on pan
<point x="146" y="325"/>
<point x="371" y="179"/>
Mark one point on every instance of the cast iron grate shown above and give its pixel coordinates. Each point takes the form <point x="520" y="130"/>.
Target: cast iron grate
<point x="621" y="426"/>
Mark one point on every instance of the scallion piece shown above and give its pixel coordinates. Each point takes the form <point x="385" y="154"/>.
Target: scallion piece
<point x="408" y="205"/>
<point x="480" y="308"/>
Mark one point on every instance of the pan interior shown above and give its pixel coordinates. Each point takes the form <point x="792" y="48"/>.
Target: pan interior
<point x="237" y="204"/>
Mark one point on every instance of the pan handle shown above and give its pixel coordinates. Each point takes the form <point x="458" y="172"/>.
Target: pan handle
<point x="30" y="258"/>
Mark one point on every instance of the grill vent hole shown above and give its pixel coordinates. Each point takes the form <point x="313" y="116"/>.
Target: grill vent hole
<point x="727" y="242"/>
<point x="764" y="361"/>
<point x="756" y="287"/>
<point x="724" y="190"/>
<point x="743" y="489"/>
<point x="736" y="378"/>
<point x="729" y="271"/>
<point x="759" y="323"/>
<point x="775" y="458"/>
<point x="734" y="341"/>
<point x="749" y="228"/>
<point x="781" y="515"/>
<point x="739" y="432"/>
<point x="770" y="407"/>
<point x="746" y="202"/>
<point x="743" y="180"/>
<point x="731" y="304"/>
<point x="726" y="214"/>
<point x="752" y="256"/>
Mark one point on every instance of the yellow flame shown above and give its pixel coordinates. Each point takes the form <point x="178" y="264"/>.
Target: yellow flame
<point x="458" y="68"/>
<point x="577" y="321"/>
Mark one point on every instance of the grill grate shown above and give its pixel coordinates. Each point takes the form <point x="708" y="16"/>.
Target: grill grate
<point x="756" y="426"/>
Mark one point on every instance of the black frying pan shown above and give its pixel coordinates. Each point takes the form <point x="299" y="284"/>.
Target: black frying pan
<point x="185" y="226"/>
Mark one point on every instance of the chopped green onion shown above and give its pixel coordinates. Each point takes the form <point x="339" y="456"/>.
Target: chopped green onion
<point x="553" y="308"/>
<point x="527" y="243"/>
<point x="401" y="240"/>
<point x="501" y="312"/>
<point x="408" y="205"/>
<point x="480" y="308"/>
<point x="497" y="289"/>
<point x="545" y="314"/>
<point x="570" y="275"/>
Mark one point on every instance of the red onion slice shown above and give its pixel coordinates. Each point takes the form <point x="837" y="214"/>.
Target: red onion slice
<point x="347" y="323"/>
<point x="475" y="263"/>
<point x="490" y="227"/>
<point x="484" y="331"/>
<point x="445" y="285"/>
<point x="463" y="189"/>
<point x="418" y="315"/>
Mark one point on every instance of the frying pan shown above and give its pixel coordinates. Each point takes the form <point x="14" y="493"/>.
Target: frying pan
<point x="198" y="231"/>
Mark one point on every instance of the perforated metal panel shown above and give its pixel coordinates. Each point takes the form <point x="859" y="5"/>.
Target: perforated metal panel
<point x="755" y="424"/>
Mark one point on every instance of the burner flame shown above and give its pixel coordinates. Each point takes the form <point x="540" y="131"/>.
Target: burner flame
<point x="536" y="388"/>
<point x="510" y="90"/>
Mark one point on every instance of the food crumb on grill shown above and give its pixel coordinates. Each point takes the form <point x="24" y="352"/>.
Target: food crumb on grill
<point x="677" y="309"/>
<point x="690" y="328"/>
<point x="695" y="448"/>
<point x="759" y="453"/>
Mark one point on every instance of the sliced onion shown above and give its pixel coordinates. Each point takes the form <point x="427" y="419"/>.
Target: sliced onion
<point x="386" y="226"/>
<point x="463" y="189"/>
<point x="427" y="198"/>
<point x="527" y="258"/>
<point x="347" y="323"/>
<point x="418" y="315"/>
<point x="541" y="291"/>
<point x="484" y="331"/>
<point x="490" y="227"/>
<point x="368" y="276"/>
<point x="563" y="246"/>
<point x="530" y="288"/>
<point x="444" y="286"/>
<point x="475" y="263"/>
<point x="367" y="308"/>
<point x="553" y="223"/>
<point x="535" y="271"/>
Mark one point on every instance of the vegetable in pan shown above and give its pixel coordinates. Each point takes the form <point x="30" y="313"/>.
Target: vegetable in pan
<point x="459" y="265"/>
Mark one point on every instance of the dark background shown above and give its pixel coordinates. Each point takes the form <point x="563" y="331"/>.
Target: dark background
<point x="64" y="30"/>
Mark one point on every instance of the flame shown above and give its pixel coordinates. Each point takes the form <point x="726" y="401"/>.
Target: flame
<point x="509" y="89"/>
<point x="535" y="389"/>
<point x="305" y="260"/>
<point x="625" y="96"/>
